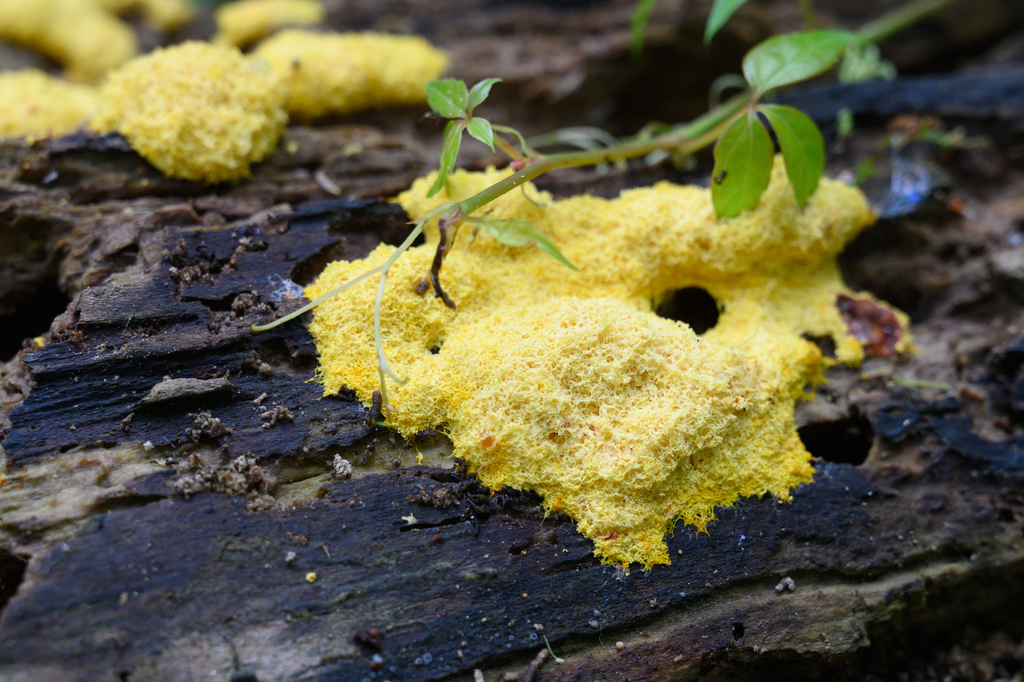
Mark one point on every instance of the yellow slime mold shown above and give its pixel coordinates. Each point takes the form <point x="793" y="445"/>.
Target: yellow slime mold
<point x="568" y="384"/>
<point x="195" y="111"/>
<point x="37" y="104"/>
<point x="326" y="74"/>
<point x="246" y="21"/>
<point x="79" y="34"/>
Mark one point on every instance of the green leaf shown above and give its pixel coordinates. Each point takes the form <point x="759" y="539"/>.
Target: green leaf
<point x="478" y="93"/>
<point x="793" y="57"/>
<point x="638" y="25"/>
<point x="448" y="97"/>
<point x="480" y="128"/>
<point x="520" y="232"/>
<point x="803" y="148"/>
<point x="743" y="166"/>
<point x="720" y="12"/>
<point x="449" y="152"/>
<point x="863" y="63"/>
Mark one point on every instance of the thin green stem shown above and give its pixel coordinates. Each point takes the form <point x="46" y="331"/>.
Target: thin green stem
<point x="683" y="139"/>
<point x="582" y="137"/>
<point x="312" y="304"/>
<point x="807" y="12"/>
<point x="509" y="151"/>
<point x="383" y="367"/>
<point x="507" y="130"/>
<point x="899" y="19"/>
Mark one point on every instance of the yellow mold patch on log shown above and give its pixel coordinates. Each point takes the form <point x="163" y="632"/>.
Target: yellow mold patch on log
<point x="568" y="384"/>
<point x="87" y="40"/>
<point x="246" y="21"/>
<point x="195" y="111"/>
<point x="36" y="104"/>
<point x="326" y="74"/>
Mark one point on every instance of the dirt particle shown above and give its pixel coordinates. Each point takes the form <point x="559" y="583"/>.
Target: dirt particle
<point x="297" y="539"/>
<point x="249" y="301"/>
<point x="785" y="585"/>
<point x="276" y="414"/>
<point x="206" y="426"/>
<point x="241" y="477"/>
<point x="341" y="468"/>
<point x="368" y="638"/>
<point x="440" y="497"/>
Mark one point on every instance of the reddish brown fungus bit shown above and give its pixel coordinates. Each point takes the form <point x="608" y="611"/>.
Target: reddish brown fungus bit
<point x="873" y="324"/>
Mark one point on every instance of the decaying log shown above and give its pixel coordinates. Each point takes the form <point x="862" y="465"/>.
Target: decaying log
<point x="176" y="502"/>
<point x="421" y="567"/>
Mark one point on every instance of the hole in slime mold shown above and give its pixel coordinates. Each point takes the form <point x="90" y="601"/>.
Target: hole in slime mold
<point x="824" y="343"/>
<point x="844" y="441"/>
<point x="692" y="305"/>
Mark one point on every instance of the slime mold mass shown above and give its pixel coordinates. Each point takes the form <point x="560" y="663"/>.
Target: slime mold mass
<point x="78" y="34"/>
<point x="37" y="104"/>
<point x="568" y="384"/>
<point x="243" y="23"/>
<point x="195" y="111"/>
<point x="323" y="74"/>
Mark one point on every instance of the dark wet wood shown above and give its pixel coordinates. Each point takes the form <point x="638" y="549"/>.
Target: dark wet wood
<point x="171" y="588"/>
<point x="143" y="359"/>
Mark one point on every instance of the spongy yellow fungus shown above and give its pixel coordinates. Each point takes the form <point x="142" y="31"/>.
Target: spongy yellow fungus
<point x="35" y="104"/>
<point x="568" y="384"/>
<point x="331" y="73"/>
<point x="247" y="21"/>
<point x="195" y="111"/>
<point x="79" y="34"/>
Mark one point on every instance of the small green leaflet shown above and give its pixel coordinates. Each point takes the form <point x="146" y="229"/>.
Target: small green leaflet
<point x="803" y="148"/>
<point x="448" y="97"/>
<point x="520" y="232"/>
<point x="478" y="93"/>
<point x="720" y="12"/>
<point x="793" y="57"/>
<point x="863" y="62"/>
<point x="480" y="128"/>
<point x="449" y="152"/>
<point x="743" y="166"/>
